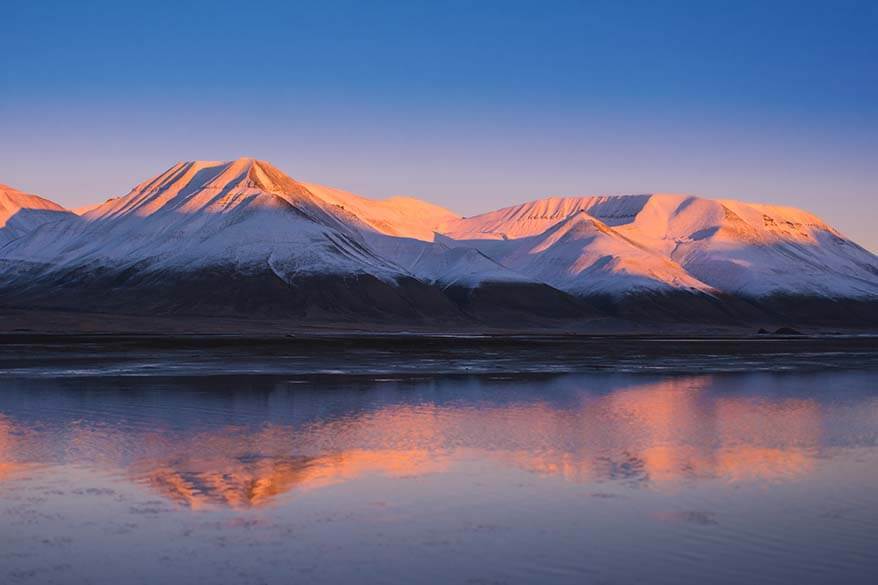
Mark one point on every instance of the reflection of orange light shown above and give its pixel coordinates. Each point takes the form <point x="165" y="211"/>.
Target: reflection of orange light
<point x="743" y="463"/>
<point x="658" y="433"/>
<point x="389" y="462"/>
<point x="667" y="463"/>
<point x="569" y="466"/>
<point x="779" y="422"/>
<point x="767" y="440"/>
<point x="239" y="483"/>
<point x="8" y="469"/>
<point x="8" y="447"/>
<point x="656" y="423"/>
<point x="673" y="436"/>
<point x="660" y="411"/>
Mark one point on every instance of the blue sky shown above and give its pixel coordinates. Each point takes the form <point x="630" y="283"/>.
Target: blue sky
<point x="473" y="105"/>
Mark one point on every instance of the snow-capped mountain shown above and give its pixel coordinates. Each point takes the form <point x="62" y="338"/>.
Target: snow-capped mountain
<point x="583" y="255"/>
<point x="205" y="235"/>
<point x="21" y="213"/>
<point x="403" y="230"/>
<point x="672" y="241"/>
<point x="243" y="214"/>
<point x="247" y="215"/>
<point x="404" y="217"/>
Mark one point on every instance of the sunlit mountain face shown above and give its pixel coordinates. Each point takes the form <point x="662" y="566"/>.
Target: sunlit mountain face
<point x="241" y="237"/>
<point x="21" y="213"/>
<point x="654" y="435"/>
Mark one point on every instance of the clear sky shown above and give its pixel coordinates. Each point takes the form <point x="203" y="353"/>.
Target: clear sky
<point x="473" y="105"/>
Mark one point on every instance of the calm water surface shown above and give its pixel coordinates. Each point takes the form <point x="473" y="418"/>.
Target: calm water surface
<point x="586" y="478"/>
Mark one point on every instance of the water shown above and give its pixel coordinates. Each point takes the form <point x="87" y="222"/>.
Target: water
<point x="593" y="477"/>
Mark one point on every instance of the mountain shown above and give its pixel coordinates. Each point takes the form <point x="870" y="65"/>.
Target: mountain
<point x="535" y="217"/>
<point x="21" y="213"/>
<point x="404" y="217"/>
<point x="240" y="214"/>
<point x="675" y="241"/>
<point x="582" y="255"/>
<point x="241" y="238"/>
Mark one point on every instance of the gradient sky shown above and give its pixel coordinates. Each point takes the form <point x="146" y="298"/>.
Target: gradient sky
<point x="473" y="105"/>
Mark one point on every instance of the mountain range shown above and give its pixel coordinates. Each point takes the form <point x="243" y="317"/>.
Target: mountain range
<point x="217" y="239"/>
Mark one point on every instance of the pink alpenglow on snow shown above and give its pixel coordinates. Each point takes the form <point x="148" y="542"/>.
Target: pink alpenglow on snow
<point x="21" y="213"/>
<point x="246" y="215"/>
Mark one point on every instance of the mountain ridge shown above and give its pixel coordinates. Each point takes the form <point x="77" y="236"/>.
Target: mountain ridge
<point x="22" y="212"/>
<point x="182" y="237"/>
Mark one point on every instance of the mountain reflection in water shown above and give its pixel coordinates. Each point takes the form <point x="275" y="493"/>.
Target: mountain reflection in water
<point x="641" y="433"/>
<point x="720" y="479"/>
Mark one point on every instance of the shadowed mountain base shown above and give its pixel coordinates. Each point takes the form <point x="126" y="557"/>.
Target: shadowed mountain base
<point x="364" y="302"/>
<point x="822" y="311"/>
<point x="521" y="304"/>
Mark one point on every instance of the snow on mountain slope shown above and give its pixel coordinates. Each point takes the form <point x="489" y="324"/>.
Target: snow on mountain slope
<point x="535" y="217"/>
<point x="734" y="247"/>
<point x="243" y="213"/>
<point x="207" y="187"/>
<point x="249" y="217"/>
<point x="774" y="252"/>
<point x="21" y="213"/>
<point x="754" y="249"/>
<point x="86" y="208"/>
<point x="402" y="230"/>
<point x="438" y="263"/>
<point x="405" y="217"/>
<point x="582" y="255"/>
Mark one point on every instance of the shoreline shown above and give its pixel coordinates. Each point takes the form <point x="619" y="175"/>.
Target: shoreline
<point x="350" y="357"/>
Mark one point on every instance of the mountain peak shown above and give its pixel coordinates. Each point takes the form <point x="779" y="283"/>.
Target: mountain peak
<point x="22" y="212"/>
<point x="245" y="173"/>
<point x="12" y="200"/>
<point x="247" y="212"/>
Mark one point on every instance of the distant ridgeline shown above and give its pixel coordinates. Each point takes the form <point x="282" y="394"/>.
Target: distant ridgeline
<point x="242" y="239"/>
